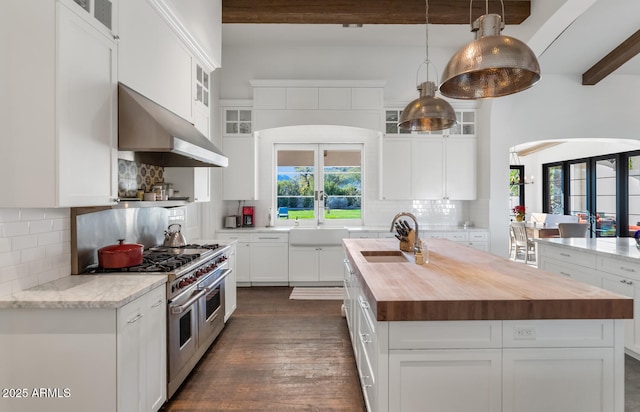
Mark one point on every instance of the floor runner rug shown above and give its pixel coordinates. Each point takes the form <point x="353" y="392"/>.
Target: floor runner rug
<point x="317" y="293"/>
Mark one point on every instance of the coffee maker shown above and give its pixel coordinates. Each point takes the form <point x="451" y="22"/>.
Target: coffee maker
<point x="248" y="216"/>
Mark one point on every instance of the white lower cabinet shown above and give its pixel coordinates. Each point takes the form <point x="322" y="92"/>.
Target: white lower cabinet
<point x="608" y="272"/>
<point x="142" y="353"/>
<point x="230" y="284"/>
<point x="559" y="380"/>
<point x="261" y="258"/>
<point x="92" y="359"/>
<point x="316" y="264"/>
<point x="269" y="262"/>
<point x="445" y="380"/>
<point x="627" y="287"/>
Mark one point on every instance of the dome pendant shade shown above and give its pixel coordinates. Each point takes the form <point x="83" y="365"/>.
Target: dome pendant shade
<point x="427" y="112"/>
<point x="490" y="66"/>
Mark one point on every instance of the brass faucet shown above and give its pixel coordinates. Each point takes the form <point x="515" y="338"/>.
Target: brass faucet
<point x="416" y="244"/>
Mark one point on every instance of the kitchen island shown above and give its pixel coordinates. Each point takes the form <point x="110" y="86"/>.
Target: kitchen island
<point x="610" y="263"/>
<point x="470" y="331"/>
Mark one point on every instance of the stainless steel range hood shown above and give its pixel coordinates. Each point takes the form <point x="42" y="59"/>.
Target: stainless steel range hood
<point x="159" y="137"/>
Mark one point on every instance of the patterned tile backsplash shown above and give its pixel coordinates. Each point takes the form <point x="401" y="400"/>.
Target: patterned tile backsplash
<point x="133" y="176"/>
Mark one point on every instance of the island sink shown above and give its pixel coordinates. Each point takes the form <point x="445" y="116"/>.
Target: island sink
<point x="384" y="256"/>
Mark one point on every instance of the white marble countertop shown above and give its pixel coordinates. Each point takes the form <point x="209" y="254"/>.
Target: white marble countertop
<point x="85" y="291"/>
<point x="622" y="247"/>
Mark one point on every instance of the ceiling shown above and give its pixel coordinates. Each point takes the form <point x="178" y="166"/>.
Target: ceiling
<point x="569" y="36"/>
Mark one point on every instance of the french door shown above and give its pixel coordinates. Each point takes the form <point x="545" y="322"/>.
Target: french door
<point x="592" y="189"/>
<point x="318" y="183"/>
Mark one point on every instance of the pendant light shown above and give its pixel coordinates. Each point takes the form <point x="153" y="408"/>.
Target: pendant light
<point x="427" y="112"/>
<point x="492" y="65"/>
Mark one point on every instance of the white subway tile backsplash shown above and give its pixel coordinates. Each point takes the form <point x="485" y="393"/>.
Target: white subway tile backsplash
<point x="34" y="247"/>
<point x="32" y="214"/>
<point x="5" y="244"/>
<point x="41" y="226"/>
<point x="56" y="213"/>
<point x="48" y="238"/>
<point x="39" y="266"/>
<point x="11" y="229"/>
<point x="9" y="215"/>
<point x="12" y="272"/>
<point x="24" y="242"/>
<point x="10" y="259"/>
<point x="61" y="224"/>
<point x="33" y="254"/>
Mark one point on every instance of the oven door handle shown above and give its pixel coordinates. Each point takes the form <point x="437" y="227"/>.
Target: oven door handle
<point x="178" y="309"/>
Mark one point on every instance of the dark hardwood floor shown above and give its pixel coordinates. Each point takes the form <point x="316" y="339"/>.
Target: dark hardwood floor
<point x="275" y="354"/>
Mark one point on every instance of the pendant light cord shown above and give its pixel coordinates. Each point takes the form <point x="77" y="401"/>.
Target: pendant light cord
<point x="486" y="11"/>
<point x="426" y="62"/>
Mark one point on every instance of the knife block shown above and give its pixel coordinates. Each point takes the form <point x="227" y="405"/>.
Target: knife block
<point x="408" y="245"/>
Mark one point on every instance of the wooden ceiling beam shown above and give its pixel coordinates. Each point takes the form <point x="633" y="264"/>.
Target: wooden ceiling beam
<point x="366" y="11"/>
<point x="608" y="64"/>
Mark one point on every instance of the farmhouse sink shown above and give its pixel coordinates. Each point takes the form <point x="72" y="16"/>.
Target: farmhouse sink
<point x="384" y="256"/>
<point x="317" y="236"/>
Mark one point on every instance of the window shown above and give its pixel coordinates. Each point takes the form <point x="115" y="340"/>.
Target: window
<point x="516" y="187"/>
<point x="318" y="183"/>
<point x="603" y="191"/>
<point x="554" y="188"/>
<point x="633" y="189"/>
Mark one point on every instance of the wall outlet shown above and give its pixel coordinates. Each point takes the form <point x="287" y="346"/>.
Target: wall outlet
<point x="520" y="333"/>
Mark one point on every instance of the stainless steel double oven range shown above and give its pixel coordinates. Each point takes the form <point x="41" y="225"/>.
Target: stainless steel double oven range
<point x="196" y="308"/>
<point x="195" y="298"/>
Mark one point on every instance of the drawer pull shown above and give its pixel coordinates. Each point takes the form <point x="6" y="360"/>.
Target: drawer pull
<point x="134" y="320"/>
<point x="565" y="273"/>
<point x="268" y="238"/>
<point x="364" y="379"/>
<point x="363" y="303"/>
<point x="366" y="338"/>
<point x="627" y="269"/>
<point x="158" y="303"/>
<point x="626" y="282"/>
<point x="565" y="254"/>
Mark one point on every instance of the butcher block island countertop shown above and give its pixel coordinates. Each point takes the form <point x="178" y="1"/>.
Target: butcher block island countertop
<point x="462" y="283"/>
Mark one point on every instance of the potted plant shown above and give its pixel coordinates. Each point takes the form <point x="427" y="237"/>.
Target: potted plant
<point x="519" y="211"/>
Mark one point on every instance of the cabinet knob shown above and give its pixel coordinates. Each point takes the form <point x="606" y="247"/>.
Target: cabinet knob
<point x="116" y="37"/>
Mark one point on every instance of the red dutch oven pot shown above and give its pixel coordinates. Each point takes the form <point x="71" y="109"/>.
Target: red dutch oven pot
<point x="121" y="255"/>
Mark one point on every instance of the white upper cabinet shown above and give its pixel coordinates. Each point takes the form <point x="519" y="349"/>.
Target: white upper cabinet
<point x="101" y="14"/>
<point x="58" y="108"/>
<point x="162" y="44"/>
<point x="153" y="60"/>
<point x="428" y="168"/>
